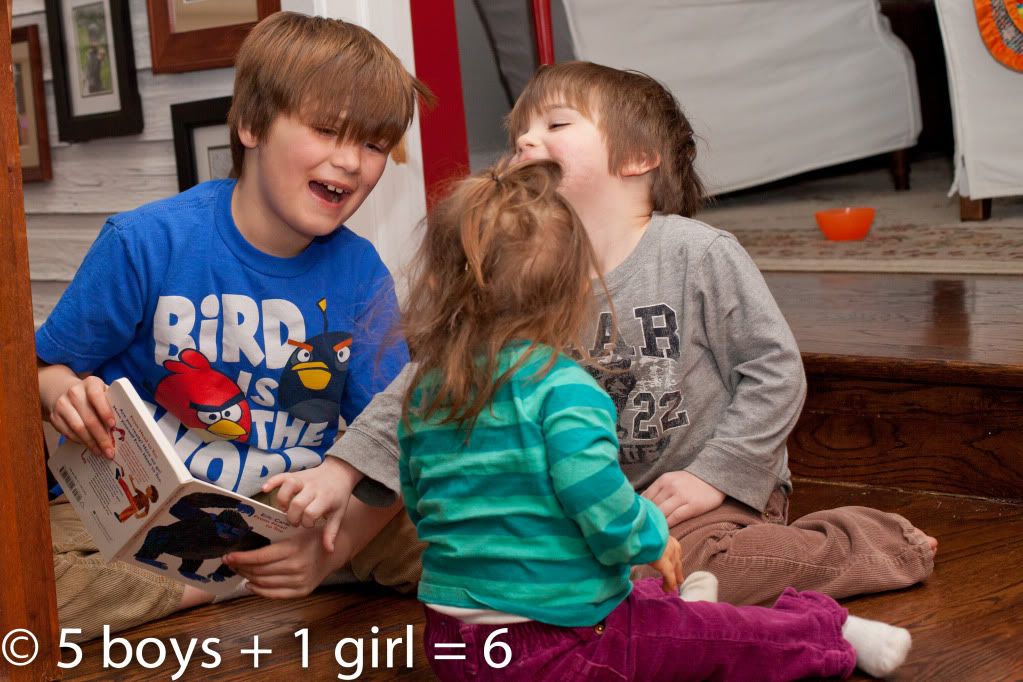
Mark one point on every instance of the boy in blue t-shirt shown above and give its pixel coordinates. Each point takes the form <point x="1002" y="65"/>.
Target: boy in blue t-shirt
<point x="242" y="311"/>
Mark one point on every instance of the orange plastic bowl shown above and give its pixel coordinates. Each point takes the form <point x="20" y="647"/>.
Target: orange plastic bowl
<point x="845" y="224"/>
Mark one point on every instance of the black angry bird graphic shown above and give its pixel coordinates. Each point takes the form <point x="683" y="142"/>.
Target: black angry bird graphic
<point x="314" y="378"/>
<point x="201" y="535"/>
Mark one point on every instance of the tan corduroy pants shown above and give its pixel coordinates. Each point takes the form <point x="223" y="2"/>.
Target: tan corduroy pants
<point x="840" y="552"/>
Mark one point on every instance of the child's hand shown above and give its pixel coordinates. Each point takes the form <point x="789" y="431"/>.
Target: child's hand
<point x="296" y="565"/>
<point x="320" y="492"/>
<point x="292" y="567"/>
<point x="681" y="496"/>
<point x="670" y="566"/>
<point x="82" y="413"/>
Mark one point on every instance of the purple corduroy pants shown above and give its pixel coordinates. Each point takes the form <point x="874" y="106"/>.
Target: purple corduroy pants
<point x="655" y="636"/>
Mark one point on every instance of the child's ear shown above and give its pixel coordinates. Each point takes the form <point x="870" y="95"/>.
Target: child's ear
<point x="246" y="137"/>
<point x="640" y="165"/>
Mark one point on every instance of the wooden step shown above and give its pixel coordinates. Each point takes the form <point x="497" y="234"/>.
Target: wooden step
<point x="945" y="438"/>
<point x="914" y="381"/>
<point x="969" y="328"/>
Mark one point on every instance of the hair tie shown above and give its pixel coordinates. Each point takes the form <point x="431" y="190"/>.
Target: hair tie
<point x="494" y="176"/>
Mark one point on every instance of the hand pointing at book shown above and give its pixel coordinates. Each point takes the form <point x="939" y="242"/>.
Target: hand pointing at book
<point x="319" y="493"/>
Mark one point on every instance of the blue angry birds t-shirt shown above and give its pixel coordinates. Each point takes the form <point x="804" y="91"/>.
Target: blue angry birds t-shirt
<point x="248" y="360"/>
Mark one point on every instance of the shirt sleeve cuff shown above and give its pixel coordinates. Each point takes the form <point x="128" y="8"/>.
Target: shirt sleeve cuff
<point x="735" y="477"/>
<point x="380" y="487"/>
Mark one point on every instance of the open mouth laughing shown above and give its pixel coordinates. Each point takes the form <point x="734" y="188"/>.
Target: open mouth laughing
<point x="329" y="193"/>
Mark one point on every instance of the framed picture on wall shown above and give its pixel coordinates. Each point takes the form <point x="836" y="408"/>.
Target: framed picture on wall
<point x="189" y="35"/>
<point x="93" y="64"/>
<point x="30" y="100"/>
<point x="202" y="141"/>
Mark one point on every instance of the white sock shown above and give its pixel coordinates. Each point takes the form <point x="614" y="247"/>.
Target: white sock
<point x="880" y="647"/>
<point x="699" y="586"/>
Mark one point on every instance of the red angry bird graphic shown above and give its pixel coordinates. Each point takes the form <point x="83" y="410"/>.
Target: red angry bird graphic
<point x="203" y="398"/>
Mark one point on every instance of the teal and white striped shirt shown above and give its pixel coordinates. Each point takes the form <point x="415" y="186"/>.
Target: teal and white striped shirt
<point x="533" y="515"/>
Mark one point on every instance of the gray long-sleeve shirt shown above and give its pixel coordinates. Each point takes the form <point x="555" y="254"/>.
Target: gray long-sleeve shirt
<point x="706" y="376"/>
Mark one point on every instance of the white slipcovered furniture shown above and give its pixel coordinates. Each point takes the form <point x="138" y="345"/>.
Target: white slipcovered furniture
<point x="987" y="113"/>
<point x="772" y="87"/>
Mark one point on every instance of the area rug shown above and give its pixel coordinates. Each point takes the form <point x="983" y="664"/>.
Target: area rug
<point x="892" y="248"/>
<point x="914" y="231"/>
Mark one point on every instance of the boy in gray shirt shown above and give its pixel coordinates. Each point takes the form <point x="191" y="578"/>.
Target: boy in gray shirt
<point x="705" y="372"/>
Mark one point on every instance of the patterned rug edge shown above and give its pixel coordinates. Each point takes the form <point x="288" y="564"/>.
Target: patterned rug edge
<point x="946" y="267"/>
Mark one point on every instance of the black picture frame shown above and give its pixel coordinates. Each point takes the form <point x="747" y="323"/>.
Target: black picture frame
<point x="186" y="118"/>
<point x="126" y="118"/>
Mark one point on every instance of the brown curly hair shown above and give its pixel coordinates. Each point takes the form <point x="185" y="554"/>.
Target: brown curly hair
<point x="638" y="117"/>
<point x="504" y="258"/>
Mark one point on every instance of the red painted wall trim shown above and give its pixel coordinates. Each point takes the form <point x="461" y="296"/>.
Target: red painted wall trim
<point x="435" y="46"/>
<point x="543" y="31"/>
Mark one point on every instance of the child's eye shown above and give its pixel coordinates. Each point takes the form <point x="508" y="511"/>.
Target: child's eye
<point x="376" y="147"/>
<point x="552" y="126"/>
<point x="325" y="131"/>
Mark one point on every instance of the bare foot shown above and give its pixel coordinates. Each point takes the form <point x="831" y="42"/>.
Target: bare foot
<point x="918" y="537"/>
<point x="193" y="596"/>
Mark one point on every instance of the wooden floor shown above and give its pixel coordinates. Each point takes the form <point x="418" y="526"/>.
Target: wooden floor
<point x="952" y="335"/>
<point x="966" y="620"/>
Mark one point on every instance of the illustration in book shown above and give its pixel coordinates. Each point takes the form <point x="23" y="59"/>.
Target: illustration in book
<point x="144" y="506"/>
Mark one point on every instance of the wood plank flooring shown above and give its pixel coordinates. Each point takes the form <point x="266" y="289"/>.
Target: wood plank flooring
<point x="966" y="620"/>
<point x="912" y="335"/>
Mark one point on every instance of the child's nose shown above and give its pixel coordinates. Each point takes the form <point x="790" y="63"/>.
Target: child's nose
<point x="347" y="156"/>
<point x="524" y="144"/>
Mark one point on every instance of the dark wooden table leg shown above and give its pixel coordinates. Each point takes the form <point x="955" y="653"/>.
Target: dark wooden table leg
<point x="900" y="169"/>
<point x="974" y="209"/>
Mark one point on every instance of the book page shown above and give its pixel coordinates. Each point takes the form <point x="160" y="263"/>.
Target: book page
<point x="111" y="498"/>
<point x="186" y="539"/>
<point x="116" y="498"/>
<point x="144" y="506"/>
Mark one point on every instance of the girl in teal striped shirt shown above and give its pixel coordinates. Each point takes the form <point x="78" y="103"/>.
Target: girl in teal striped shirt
<point x="509" y="470"/>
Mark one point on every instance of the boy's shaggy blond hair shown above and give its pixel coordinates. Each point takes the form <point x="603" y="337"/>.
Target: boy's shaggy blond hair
<point x="639" y="118"/>
<point x="330" y="73"/>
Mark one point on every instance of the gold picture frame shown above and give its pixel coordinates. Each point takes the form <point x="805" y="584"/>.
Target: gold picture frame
<point x="30" y="100"/>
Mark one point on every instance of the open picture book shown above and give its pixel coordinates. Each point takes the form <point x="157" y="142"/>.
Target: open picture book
<point x="145" y="507"/>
